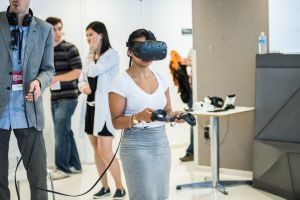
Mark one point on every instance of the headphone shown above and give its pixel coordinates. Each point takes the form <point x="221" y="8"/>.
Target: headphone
<point x="216" y="101"/>
<point x="13" y="19"/>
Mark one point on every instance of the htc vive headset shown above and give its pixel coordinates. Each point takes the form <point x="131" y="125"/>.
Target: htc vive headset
<point x="150" y="49"/>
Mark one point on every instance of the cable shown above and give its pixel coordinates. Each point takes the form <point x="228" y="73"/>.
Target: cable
<point x="201" y="124"/>
<point x="227" y="131"/>
<point x="207" y="141"/>
<point x="29" y="158"/>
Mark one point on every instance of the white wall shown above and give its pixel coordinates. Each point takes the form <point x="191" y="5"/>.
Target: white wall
<point x="284" y="25"/>
<point x="164" y="17"/>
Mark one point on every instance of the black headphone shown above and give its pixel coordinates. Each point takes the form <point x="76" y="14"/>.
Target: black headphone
<point x="216" y="101"/>
<point x="13" y="19"/>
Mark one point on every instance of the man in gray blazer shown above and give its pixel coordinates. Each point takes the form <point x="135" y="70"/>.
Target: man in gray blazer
<point x="26" y="68"/>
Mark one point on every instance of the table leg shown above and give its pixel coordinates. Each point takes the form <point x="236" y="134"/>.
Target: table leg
<point x="215" y="164"/>
<point x="214" y="148"/>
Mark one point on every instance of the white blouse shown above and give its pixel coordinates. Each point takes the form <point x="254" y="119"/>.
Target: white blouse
<point x="137" y="99"/>
<point x="106" y="69"/>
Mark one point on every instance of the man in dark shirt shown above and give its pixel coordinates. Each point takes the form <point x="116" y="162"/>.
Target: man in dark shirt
<point x="64" y="94"/>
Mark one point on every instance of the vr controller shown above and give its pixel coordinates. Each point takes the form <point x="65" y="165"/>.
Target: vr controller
<point x="162" y="115"/>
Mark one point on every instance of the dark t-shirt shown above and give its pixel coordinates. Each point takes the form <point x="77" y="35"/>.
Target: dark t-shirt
<point x="66" y="58"/>
<point x="184" y="87"/>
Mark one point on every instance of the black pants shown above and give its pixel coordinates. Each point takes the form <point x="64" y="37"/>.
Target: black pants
<point x="36" y="168"/>
<point x="190" y="149"/>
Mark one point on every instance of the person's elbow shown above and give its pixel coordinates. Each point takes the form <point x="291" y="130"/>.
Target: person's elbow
<point x="77" y="73"/>
<point x="115" y="124"/>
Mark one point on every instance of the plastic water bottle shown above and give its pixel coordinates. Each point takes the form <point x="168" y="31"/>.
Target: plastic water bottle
<point x="262" y="43"/>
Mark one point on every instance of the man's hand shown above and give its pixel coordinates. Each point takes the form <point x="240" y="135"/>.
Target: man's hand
<point x="34" y="88"/>
<point x="54" y="80"/>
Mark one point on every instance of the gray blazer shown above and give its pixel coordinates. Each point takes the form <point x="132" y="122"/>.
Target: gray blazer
<point x="38" y="62"/>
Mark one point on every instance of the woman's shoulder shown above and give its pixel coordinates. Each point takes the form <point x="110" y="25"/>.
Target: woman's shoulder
<point x="121" y="78"/>
<point x="119" y="84"/>
<point x="111" y="52"/>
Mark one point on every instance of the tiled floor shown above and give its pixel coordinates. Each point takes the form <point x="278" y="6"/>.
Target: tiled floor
<point x="181" y="173"/>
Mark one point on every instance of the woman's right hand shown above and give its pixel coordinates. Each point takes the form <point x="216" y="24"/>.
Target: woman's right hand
<point x="85" y="89"/>
<point x="93" y="43"/>
<point x="145" y="115"/>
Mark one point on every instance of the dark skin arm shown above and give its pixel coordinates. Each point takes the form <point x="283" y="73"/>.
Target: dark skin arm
<point x="117" y="105"/>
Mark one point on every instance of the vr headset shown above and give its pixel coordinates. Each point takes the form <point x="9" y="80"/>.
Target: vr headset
<point x="150" y="49"/>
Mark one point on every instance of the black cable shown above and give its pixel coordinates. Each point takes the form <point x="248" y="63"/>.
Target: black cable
<point x="51" y="191"/>
<point x="227" y="131"/>
<point x="201" y="126"/>
<point x="207" y="142"/>
<point x="20" y="42"/>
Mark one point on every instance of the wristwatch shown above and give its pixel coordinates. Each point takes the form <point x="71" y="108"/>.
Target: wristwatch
<point x="135" y="120"/>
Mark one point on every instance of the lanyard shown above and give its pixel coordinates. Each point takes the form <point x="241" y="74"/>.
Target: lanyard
<point x="20" y="44"/>
<point x="17" y="41"/>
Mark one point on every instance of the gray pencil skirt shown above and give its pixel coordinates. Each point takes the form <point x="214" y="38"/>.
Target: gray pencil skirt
<point x="146" y="159"/>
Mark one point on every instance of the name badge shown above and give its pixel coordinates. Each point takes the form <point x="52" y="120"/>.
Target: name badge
<point x="17" y="81"/>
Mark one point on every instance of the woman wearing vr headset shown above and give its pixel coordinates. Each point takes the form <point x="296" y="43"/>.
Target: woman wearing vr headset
<point x="102" y="66"/>
<point x="144" y="151"/>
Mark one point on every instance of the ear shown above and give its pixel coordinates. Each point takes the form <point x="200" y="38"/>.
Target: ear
<point x="129" y="53"/>
<point x="100" y="36"/>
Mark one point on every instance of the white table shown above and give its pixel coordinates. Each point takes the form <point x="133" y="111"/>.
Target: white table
<point x="214" y="145"/>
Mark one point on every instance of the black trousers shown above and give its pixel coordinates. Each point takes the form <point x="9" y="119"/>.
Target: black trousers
<point x="190" y="149"/>
<point x="36" y="168"/>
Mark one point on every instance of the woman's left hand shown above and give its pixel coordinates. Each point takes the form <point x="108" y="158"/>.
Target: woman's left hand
<point x="177" y="114"/>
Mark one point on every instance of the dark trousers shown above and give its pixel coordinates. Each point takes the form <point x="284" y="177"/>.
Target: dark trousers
<point x="36" y="168"/>
<point x="190" y="149"/>
<point x="66" y="153"/>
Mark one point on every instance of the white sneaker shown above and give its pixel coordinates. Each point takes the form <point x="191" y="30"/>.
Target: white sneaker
<point x="75" y="171"/>
<point x="58" y="174"/>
